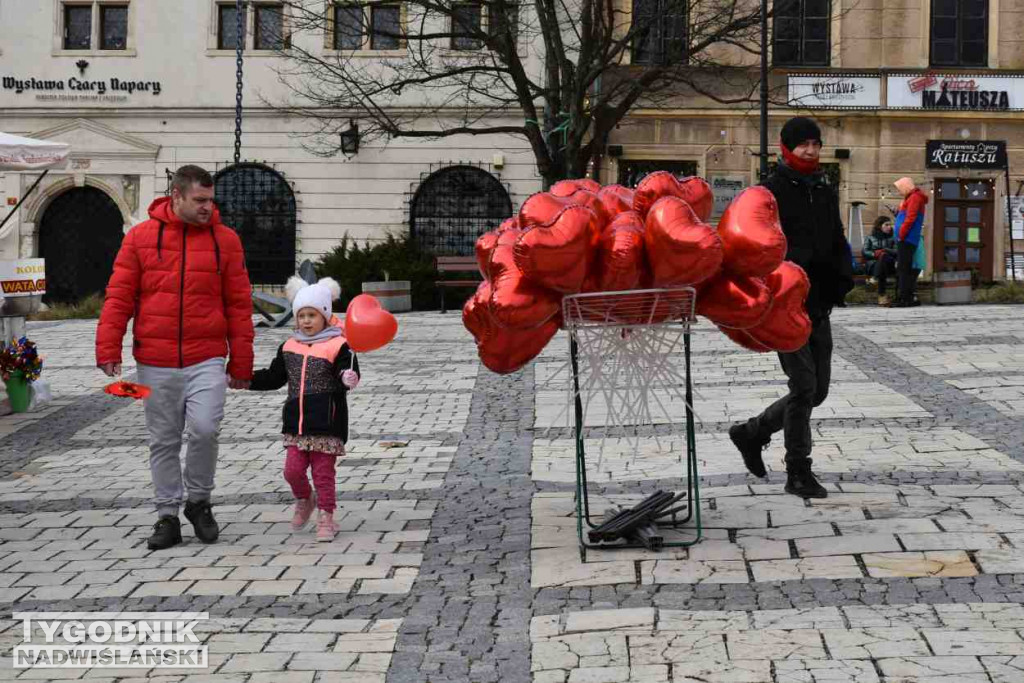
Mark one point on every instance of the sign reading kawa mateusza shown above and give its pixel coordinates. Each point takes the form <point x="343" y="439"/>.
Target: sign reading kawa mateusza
<point x="971" y="154"/>
<point x="955" y="92"/>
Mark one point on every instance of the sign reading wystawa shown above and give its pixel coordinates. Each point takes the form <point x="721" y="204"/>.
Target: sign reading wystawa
<point x="77" y="88"/>
<point x="835" y="91"/>
<point x="979" y="155"/>
<point x="955" y="92"/>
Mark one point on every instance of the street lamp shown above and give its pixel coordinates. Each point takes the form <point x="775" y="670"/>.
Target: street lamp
<point x="764" y="90"/>
<point x="350" y="139"/>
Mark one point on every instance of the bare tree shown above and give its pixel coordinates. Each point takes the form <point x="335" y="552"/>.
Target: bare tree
<point x="559" y="73"/>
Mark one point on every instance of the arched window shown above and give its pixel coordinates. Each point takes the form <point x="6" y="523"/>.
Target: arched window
<point x="79" y="236"/>
<point x="454" y="206"/>
<point x="257" y="202"/>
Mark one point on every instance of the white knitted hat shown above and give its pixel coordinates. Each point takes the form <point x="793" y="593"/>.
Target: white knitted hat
<point x="317" y="296"/>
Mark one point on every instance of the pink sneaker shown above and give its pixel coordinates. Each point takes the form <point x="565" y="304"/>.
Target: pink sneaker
<point x="303" y="510"/>
<point x="325" y="528"/>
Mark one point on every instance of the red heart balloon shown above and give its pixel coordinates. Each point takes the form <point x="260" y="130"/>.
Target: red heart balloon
<point x="515" y="301"/>
<point x="787" y="326"/>
<point x="476" y="313"/>
<point x="486" y="243"/>
<point x="368" y="326"/>
<point x="620" y="256"/>
<point x="681" y="249"/>
<point x="566" y="188"/>
<point x="742" y="338"/>
<point x="509" y="350"/>
<point x="541" y="208"/>
<point x="734" y="301"/>
<point x="557" y="255"/>
<point x="694" y="191"/>
<point x="751" y="234"/>
<point x="616" y="199"/>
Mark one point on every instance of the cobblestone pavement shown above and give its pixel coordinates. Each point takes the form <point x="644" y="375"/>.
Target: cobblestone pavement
<point x="457" y="558"/>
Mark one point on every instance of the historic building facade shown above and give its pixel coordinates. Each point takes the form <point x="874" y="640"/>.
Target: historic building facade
<point x="140" y="88"/>
<point x="915" y="88"/>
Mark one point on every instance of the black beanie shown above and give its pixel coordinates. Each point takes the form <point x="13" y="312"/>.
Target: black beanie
<point x="798" y="130"/>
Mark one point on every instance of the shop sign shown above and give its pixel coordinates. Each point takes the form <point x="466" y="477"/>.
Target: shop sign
<point x="78" y="89"/>
<point x="955" y="92"/>
<point x="725" y="188"/>
<point x="835" y="92"/>
<point x="23" y="277"/>
<point x="971" y="154"/>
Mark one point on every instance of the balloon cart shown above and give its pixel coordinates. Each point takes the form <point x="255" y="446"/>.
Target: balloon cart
<point x="625" y="384"/>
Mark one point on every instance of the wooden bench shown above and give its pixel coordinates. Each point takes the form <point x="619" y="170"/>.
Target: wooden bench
<point x="456" y="264"/>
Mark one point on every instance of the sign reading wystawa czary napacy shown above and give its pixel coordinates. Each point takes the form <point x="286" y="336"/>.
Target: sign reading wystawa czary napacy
<point x="78" y="88"/>
<point x="981" y="155"/>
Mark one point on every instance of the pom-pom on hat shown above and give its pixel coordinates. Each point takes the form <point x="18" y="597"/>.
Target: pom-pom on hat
<point x="317" y="296"/>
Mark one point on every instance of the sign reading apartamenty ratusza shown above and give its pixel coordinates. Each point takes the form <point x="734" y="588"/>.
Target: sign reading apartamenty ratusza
<point x="978" y="155"/>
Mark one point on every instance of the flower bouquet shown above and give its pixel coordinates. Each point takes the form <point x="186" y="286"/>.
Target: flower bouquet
<point x="20" y="365"/>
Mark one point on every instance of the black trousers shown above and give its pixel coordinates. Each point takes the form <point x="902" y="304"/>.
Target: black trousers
<point x="906" y="283"/>
<point x="810" y="371"/>
<point x="881" y="270"/>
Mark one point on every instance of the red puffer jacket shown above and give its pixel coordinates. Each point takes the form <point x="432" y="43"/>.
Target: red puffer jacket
<point x="188" y="290"/>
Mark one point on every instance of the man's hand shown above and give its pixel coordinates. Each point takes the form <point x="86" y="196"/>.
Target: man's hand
<point x="879" y="253"/>
<point x="110" y="369"/>
<point x="238" y="383"/>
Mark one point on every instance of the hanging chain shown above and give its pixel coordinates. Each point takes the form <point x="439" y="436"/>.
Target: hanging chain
<point x="240" y="10"/>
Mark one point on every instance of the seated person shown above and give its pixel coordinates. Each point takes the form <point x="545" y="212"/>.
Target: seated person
<point x="880" y="256"/>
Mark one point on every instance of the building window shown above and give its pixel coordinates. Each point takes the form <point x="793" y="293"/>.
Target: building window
<point x="369" y="27"/>
<point x="386" y="27"/>
<point x="959" y="33"/>
<point x="77" y="27"/>
<point x="660" y="32"/>
<point x="227" y="27"/>
<point x="348" y="27"/>
<point x="269" y="27"/>
<point x="502" y="18"/>
<point x="113" y="27"/>
<point x="454" y="206"/>
<point x="467" y="25"/>
<point x="801" y="32"/>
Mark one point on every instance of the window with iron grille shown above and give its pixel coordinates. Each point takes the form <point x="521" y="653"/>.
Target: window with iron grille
<point x="257" y="202"/>
<point x="454" y="206"/>
<point x="801" y="33"/>
<point x="959" y="33"/>
<point x="269" y="27"/>
<point x="661" y="32"/>
<point x="467" y="24"/>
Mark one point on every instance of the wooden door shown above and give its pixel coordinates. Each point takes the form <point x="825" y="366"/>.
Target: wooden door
<point x="963" y="222"/>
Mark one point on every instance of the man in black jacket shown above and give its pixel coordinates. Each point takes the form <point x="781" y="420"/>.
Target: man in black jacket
<point x="809" y="213"/>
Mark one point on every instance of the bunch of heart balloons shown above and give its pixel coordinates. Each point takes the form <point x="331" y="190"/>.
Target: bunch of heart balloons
<point x="582" y="237"/>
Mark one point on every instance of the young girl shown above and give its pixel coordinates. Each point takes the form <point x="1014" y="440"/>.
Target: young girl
<point x="319" y="369"/>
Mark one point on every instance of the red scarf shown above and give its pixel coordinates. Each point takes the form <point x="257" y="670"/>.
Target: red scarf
<point x="796" y="163"/>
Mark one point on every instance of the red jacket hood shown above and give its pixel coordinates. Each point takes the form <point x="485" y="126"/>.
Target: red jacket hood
<point x="919" y="194"/>
<point x="160" y="210"/>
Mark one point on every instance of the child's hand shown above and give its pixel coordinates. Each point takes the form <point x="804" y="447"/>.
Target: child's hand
<point x="350" y="379"/>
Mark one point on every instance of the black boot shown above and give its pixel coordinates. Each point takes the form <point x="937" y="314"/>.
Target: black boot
<point x="800" y="481"/>
<point x="750" y="448"/>
<point x="166" y="533"/>
<point x="201" y="516"/>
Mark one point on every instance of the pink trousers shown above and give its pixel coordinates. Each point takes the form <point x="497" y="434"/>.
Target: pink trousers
<point x="322" y="464"/>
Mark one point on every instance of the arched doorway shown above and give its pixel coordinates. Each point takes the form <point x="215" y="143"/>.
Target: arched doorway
<point x="454" y="206"/>
<point x="258" y="203"/>
<point x="79" y="236"/>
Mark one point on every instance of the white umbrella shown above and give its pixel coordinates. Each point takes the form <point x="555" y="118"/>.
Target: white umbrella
<point x="25" y="154"/>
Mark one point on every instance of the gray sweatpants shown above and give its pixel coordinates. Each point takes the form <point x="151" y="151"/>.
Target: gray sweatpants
<point x="191" y="398"/>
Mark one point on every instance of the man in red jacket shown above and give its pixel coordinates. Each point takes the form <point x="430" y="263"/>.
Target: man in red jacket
<point x="181" y="275"/>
